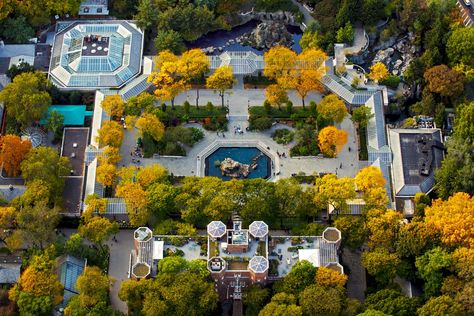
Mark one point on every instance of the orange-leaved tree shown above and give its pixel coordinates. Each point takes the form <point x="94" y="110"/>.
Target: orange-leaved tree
<point x="453" y="219"/>
<point x="301" y="72"/>
<point x="444" y="81"/>
<point x="328" y="277"/>
<point x="331" y="140"/>
<point x="148" y="123"/>
<point x="113" y="105"/>
<point x="276" y="94"/>
<point x="194" y="64"/>
<point x="110" y="134"/>
<point x="378" y="71"/>
<point x="168" y="78"/>
<point x="12" y="152"/>
<point x="332" y="108"/>
<point x="309" y="70"/>
<point x="221" y="80"/>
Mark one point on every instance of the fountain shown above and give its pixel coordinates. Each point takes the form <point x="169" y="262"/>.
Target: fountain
<point x="234" y="169"/>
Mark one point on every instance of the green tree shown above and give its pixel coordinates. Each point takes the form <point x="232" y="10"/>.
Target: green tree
<point x="381" y="264"/>
<point x="98" y="229"/>
<point x="146" y="15"/>
<point x="37" y="222"/>
<point x="169" y="40"/>
<point x="329" y="300"/>
<point x="456" y="168"/>
<point x="184" y="293"/>
<point x="440" y="306"/>
<point x="93" y="287"/>
<point x="301" y="275"/>
<point x="391" y="302"/>
<point x="282" y="304"/>
<point x="254" y="299"/>
<point x="55" y="123"/>
<point x="17" y="30"/>
<point x="27" y="98"/>
<point x="460" y="46"/>
<point x="137" y="104"/>
<point x="353" y="230"/>
<point x="362" y="115"/>
<point x="372" y="11"/>
<point x="345" y="34"/>
<point x="44" y="163"/>
<point x="22" y="67"/>
<point x="431" y="267"/>
<point x="161" y="199"/>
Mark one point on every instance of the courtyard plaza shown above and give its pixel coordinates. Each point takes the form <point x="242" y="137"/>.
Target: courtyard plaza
<point x="239" y="100"/>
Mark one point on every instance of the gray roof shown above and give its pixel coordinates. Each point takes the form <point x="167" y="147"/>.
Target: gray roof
<point x="417" y="153"/>
<point x="242" y="62"/>
<point x="78" y="63"/>
<point x="327" y="251"/>
<point x="13" y="50"/>
<point x="9" y="193"/>
<point x="346" y="92"/>
<point x="9" y="273"/>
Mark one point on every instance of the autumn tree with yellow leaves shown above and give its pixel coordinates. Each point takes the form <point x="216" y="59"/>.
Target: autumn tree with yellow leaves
<point x="301" y="72"/>
<point x="332" y="108"/>
<point x="453" y="219"/>
<point x="221" y="80"/>
<point x="194" y="64"/>
<point x="330" y="278"/>
<point x="38" y="290"/>
<point x="110" y="155"/>
<point x="331" y="140"/>
<point x="136" y="200"/>
<point x="371" y="183"/>
<point x="114" y="106"/>
<point x="168" y="77"/>
<point x="110" y="134"/>
<point x="276" y="95"/>
<point x="13" y="151"/>
<point x="331" y="190"/>
<point x="378" y="71"/>
<point x="148" y="123"/>
<point x="106" y="174"/>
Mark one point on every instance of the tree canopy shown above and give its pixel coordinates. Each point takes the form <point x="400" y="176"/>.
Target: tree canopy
<point x="27" y="98"/>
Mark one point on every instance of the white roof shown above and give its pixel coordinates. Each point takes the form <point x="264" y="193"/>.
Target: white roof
<point x="216" y="229"/>
<point x="158" y="249"/>
<point x="311" y="255"/>
<point x="258" y="229"/>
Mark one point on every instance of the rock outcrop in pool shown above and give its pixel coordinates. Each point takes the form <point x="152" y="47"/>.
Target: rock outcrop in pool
<point x="234" y="169"/>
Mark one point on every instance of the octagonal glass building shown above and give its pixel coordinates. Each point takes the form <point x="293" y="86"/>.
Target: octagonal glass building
<point x="89" y="55"/>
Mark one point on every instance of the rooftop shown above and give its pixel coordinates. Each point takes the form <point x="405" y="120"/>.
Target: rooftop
<point x="96" y="54"/>
<point x="417" y="153"/>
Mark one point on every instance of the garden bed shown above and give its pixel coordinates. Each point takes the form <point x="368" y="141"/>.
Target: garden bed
<point x="363" y="154"/>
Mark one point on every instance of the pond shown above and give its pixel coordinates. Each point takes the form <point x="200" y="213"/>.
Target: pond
<point x="221" y="38"/>
<point x="244" y="155"/>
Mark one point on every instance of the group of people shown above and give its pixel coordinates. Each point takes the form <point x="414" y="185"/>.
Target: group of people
<point x="281" y="154"/>
<point x="137" y="153"/>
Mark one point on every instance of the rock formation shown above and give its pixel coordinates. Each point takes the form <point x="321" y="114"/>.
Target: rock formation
<point x="268" y="34"/>
<point x="234" y="169"/>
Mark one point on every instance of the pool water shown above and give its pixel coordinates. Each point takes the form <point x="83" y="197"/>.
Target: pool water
<point x="221" y="37"/>
<point x="243" y="155"/>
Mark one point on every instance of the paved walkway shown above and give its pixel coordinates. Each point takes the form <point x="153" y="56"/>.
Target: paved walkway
<point x="118" y="267"/>
<point x="357" y="283"/>
<point x="307" y="15"/>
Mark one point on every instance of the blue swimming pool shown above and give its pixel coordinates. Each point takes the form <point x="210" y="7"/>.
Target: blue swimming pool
<point x="243" y="155"/>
